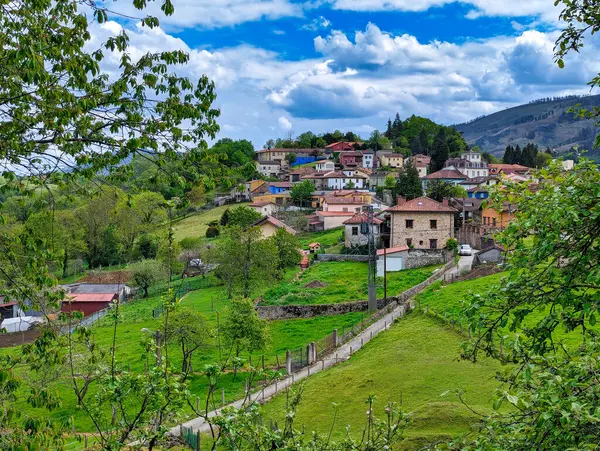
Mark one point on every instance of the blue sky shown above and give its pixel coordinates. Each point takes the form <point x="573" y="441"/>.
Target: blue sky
<point x="282" y="66"/>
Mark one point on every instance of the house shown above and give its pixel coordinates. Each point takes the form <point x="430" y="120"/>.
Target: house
<point x="279" y="187"/>
<point x="469" y="209"/>
<point x="449" y="175"/>
<point x="121" y="291"/>
<point x="498" y="219"/>
<point x="282" y="198"/>
<point x="378" y="179"/>
<point x="296" y="175"/>
<point x="368" y="159"/>
<point x="270" y="225"/>
<point x="422" y="223"/>
<point x="268" y="168"/>
<point x="497" y="169"/>
<point x="320" y="196"/>
<point x="346" y="204"/>
<point x="395" y="257"/>
<point x="492" y="254"/>
<point x="314" y="247"/>
<point x="330" y="219"/>
<point x="390" y="159"/>
<point x="339" y="180"/>
<point x="469" y="164"/>
<point x="351" y="159"/>
<point x="341" y="146"/>
<point x="278" y="155"/>
<point x="421" y="162"/>
<point x="353" y="230"/>
<point x="478" y="192"/>
<point x="88" y="303"/>
<point x="249" y="189"/>
<point x="325" y="166"/>
<point x="264" y="208"/>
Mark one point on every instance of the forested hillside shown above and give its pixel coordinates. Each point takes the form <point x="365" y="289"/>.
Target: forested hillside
<point x="545" y="122"/>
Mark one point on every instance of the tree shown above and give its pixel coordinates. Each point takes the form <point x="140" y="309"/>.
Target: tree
<point x="243" y="217"/>
<point x="224" y="218"/>
<point x="287" y="247"/>
<point x="489" y="158"/>
<point x="270" y="144"/>
<point x="374" y="141"/>
<point x="439" y="152"/>
<point x="350" y="185"/>
<point x="321" y="143"/>
<point x="509" y="155"/>
<point x="146" y="273"/>
<point x="290" y="158"/>
<point x="301" y="193"/>
<point x="147" y="245"/>
<point x="187" y="329"/>
<point x="242" y="329"/>
<point x="440" y="190"/>
<point x="409" y="184"/>
<point x="244" y="260"/>
<point x="389" y="182"/>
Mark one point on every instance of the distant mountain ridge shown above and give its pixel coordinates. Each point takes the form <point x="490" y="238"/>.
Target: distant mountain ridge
<point x="544" y="122"/>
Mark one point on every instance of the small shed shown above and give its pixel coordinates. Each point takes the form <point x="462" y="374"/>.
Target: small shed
<point x="88" y="303"/>
<point x="491" y="254"/>
<point x="395" y="258"/>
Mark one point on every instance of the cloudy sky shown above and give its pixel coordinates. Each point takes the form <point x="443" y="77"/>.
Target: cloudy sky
<point x="320" y="65"/>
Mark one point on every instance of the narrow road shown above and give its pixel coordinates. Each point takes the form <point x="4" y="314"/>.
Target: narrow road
<point x="464" y="265"/>
<point x="341" y="354"/>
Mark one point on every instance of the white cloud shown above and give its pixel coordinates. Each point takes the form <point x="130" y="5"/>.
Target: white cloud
<point x="284" y="123"/>
<point x="317" y="24"/>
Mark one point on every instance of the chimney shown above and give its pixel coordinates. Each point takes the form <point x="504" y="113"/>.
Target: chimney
<point x="445" y="201"/>
<point x="400" y="200"/>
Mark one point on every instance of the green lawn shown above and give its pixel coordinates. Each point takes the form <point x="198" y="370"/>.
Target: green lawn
<point x="326" y="238"/>
<point x="415" y="363"/>
<point x="345" y="282"/>
<point x="195" y="226"/>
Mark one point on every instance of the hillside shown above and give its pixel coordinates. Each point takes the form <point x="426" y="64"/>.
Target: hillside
<point x="543" y="122"/>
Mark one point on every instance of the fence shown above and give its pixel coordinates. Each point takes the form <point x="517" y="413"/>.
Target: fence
<point x="191" y="438"/>
<point x="182" y="290"/>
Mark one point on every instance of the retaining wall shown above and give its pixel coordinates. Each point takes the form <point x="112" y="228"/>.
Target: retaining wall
<point x="426" y="257"/>
<point x="274" y="312"/>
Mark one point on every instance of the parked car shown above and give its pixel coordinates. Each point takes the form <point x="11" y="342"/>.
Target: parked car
<point x="465" y="249"/>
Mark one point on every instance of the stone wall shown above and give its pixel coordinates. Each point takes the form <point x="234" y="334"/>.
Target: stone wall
<point x="425" y="257"/>
<point x="342" y="258"/>
<point x="275" y="312"/>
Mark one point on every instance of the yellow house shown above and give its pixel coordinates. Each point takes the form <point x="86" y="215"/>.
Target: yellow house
<point x="270" y="225"/>
<point x="277" y="199"/>
<point x="391" y="159"/>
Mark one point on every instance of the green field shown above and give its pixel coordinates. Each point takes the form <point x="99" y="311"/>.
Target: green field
<point x="345" y="282"/>
<point x="326" y="239"/>
<point x="416" y="363"/>
<point x="195" y="226"/>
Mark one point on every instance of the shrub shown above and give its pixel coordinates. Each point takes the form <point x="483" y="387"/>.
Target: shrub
<point x="212" y="232"/>
<point x="452" y="244"/>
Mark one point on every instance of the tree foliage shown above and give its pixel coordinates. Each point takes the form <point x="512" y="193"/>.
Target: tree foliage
<point x="242" y="329"/>
<point x="440" y="190"/>
<point x="288" y="254"/>
<point x="409" y="184"/>
<point x="241" y="216"/>
<point x="301" y="193"/>
<point x="146" y="273"/>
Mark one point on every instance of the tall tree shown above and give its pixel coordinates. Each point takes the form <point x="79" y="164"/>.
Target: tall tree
<point x="301" y="193"/>
<point x="288" y="254"/>
<point x="440" y="190"/>
<point x="409" y="184"/>
<point x="242" y="216"/>
<point x="439" y="152"/>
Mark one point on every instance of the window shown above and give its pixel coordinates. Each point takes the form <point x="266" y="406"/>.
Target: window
<point x="409" y="242"/>
<point x="494" y="222"/>
<point x="421" y="243"/>
<point x="410" y="223"/>
<point x="433" y="224"/>
<point x="354" y="231"/>
<point x="345" y="209"/>
<point x="432" y="244"/>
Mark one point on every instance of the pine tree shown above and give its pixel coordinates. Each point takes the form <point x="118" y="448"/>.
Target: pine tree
<point x="509" y="155"/>
<point x="389" y="132"/>
<point x="518" y="155"/>
<point x="409" y="184"/>
<point x="416" y="147"/>
<point x="439" y="153"/>
<point x="424" y="139"/>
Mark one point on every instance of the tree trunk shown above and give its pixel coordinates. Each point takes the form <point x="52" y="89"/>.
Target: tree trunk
<point x="146" y="291"/>
<point x="65" y="263"/>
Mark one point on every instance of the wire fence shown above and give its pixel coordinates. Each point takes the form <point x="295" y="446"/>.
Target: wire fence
<point x="181" y="291"/>
<point x="190" y="437"/>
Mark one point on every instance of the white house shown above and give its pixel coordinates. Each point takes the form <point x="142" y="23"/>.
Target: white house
<point x="268" y="168"/>
<point x="325" y="166"/>
<point x="265" y="208"/>
<point x="368" y="160"/>
<point x="339" y="180"/>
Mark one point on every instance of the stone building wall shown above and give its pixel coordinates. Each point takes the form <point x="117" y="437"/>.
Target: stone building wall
<point x="421" y="233"/>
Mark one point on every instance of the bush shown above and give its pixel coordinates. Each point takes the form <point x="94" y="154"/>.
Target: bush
<point x="190" y="243"/>
<point x="212" y="232"/>
<point x="147" y="245"/>
<point x="452" y="244"/>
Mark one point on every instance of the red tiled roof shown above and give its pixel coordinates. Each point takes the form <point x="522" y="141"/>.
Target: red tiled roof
<point x="338" y="200"/>
<point x="261" y="204"/>
<point x="422" y="204"/>
<point x="359" y="218"/>
<point x="288" y="150"/>
<point x="92" y="297"/>
<point x="276" y="222"/>
<point x="392" y="250"/>
<point x="280" y="184"/>
<point x="304" y="170"/>
<point x="508" y="168"/>
<point x="343" y="142"/>
<point x="446" y="174"/>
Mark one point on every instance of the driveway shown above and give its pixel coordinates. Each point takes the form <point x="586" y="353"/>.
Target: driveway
<point x="464" y="265"/>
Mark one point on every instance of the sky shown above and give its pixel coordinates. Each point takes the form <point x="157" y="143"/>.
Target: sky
<point x="282" y="66"/>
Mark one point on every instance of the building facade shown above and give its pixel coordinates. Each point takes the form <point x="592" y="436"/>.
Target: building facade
<point x="421" y="223"/>
<point x="353" y="234"/>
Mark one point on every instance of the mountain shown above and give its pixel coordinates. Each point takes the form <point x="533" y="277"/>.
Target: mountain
<point x="544" y="122"/>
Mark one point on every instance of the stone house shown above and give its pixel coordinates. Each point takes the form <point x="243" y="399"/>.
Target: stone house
<point x="352" y="233"/>
<point x="421" y="223"/>
<point x="268" y="168"/>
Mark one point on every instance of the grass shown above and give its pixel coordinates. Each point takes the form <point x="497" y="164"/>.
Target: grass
<point x="195" y="226"/>
<point x="208" y="298"/>
<point x="345" y="282"/>
<point x="416" y="362"/>
<point x="327" y="238"/>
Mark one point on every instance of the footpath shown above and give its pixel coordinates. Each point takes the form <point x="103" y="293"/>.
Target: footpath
<point x="344" y="352"/>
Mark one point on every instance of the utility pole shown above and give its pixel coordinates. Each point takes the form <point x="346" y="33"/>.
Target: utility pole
<point x="367" y="229"/>
<point x="385" y="272"/>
